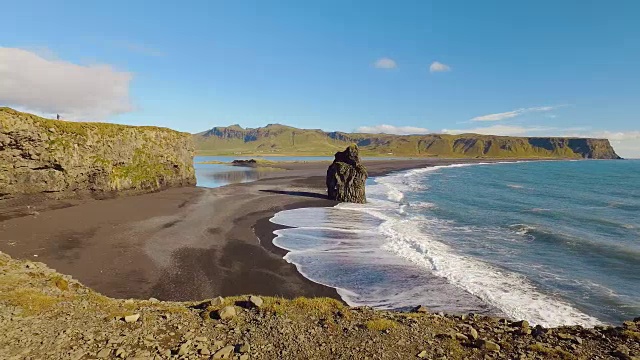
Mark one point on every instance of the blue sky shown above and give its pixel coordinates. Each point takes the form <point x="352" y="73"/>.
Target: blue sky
<point x="503" y="67"/>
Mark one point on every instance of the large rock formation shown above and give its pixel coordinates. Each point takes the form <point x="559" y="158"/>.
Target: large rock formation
<point x="69" y="159"/>
<point x="346" y="177"/>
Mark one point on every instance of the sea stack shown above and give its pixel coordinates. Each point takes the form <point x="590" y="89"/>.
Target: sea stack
<point x="346" y="177"/>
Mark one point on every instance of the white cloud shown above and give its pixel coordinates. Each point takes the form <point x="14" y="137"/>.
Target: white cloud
<point x="47" y="85"/>
<point x="618" y="136"/>
<point x="514" y="113"/>
<point x="385" y="63"/>
<point x="504" y="130"/>
<point x="626" y="143"/>
<point x="439" y="67"/>
<point x="390" y="129"/>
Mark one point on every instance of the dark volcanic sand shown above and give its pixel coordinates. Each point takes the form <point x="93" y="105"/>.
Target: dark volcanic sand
<point x="179" y="244"/>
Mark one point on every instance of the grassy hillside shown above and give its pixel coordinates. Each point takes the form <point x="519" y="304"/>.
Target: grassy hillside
<point x="270" y="139"/>
<point x="277" y="139"/>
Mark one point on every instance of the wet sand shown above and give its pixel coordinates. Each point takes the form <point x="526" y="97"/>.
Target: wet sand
<point x="178" y="244"/>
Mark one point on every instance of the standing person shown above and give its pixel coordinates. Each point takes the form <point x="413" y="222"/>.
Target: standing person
<point x="58" y="116"/>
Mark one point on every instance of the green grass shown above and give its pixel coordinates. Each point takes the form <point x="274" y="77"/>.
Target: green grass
<point x="69" y="127"/>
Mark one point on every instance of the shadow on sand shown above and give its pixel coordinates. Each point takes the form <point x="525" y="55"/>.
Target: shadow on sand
<point x="298" y="193"/>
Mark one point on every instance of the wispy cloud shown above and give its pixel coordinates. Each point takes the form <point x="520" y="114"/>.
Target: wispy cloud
<point x="514" y="113"/>
<point x="385" y="63"/>
<point x="391" y="129"/>
<point x="439" y="67"/>
<point x="49" y="86"/>
<point x="505" y="130"/>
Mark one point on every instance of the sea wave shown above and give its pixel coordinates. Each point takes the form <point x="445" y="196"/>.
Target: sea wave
<point x="411" y="245"/>
<point x="511" y="293"/>
<point x="608" y="251"/>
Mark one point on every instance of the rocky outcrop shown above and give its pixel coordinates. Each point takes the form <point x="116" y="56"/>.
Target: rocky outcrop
<point x="346" y="177"/>
<point x="70" y="159"/>
<point x="48" y="315"/>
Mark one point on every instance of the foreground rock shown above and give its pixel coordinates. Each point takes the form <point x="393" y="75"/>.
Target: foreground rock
<point x="43" y="317"/>
<point x="346" y="177"/>
<point x="69" y="159"/>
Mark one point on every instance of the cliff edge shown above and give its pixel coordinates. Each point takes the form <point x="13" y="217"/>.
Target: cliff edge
<point x="69" y="159"/>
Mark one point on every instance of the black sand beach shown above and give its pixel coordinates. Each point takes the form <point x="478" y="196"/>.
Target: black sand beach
<point x="182" y="243"/>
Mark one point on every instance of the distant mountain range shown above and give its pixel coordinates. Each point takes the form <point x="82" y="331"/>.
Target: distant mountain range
<point x="276" y="139"/>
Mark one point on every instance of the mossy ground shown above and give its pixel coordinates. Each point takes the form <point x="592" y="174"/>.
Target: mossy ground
<point x="45" y="317"/>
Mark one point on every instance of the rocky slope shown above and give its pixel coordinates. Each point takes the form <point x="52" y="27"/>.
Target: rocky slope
<point x="65" y="159"/>
<point x="46" y="315"/>
<point x="274" y="139"/>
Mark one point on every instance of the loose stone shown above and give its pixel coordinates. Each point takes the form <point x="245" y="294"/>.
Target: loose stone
<point x="131" y="318"/>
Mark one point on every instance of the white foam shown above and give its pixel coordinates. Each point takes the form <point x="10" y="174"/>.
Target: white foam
<point x="522" y="229"/>
<point x="510" y="292"/>
<point x="395" y="195"/>
<point x="539" y="210"/>
<point x="422" y="205"/>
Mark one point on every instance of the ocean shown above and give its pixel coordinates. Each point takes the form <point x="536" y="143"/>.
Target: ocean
<point x="552" y="242"/>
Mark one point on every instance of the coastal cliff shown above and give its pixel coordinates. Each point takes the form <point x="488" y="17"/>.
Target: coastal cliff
<point x="280" y="139"/>
<point x="68" y="159"/>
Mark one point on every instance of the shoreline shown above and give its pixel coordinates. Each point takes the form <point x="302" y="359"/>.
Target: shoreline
<point x="180" y="244"/>
<point x="186" y="243"/>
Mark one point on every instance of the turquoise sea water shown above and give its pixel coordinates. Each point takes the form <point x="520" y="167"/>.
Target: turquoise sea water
<point x="269" y="158"/>
<point x="551" y="242"/>
<point x="216" y="175"/>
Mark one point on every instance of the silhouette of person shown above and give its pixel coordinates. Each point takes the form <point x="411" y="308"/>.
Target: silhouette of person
<point x="58" y="116"/>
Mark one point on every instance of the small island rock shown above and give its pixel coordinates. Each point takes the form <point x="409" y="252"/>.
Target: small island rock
<point x="346" y="177"/>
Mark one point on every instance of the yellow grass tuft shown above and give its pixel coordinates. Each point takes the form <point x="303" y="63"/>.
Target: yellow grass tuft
<point x="60" y="283"/>
<point x="380" y="324"/>
<point x="33" y="302"/>
<point x="632" y="334"/>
